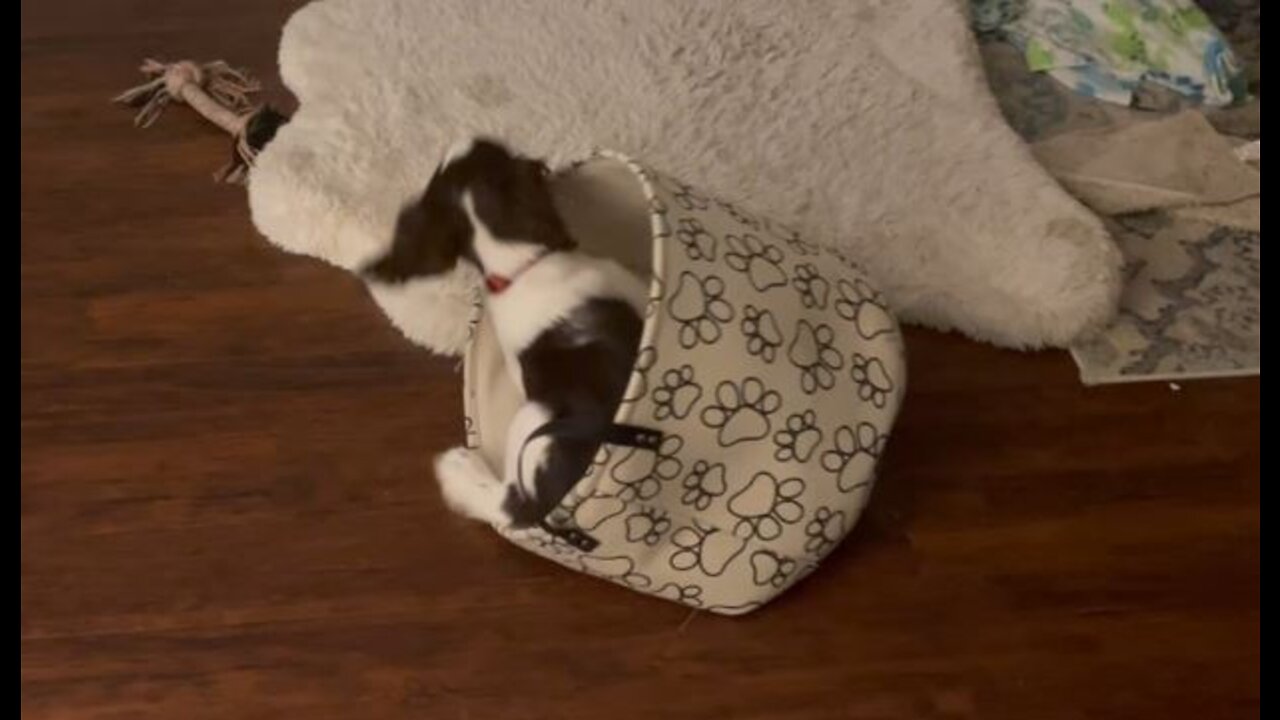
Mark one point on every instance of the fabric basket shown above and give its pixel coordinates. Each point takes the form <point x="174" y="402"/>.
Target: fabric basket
<point x="745" y="448"/>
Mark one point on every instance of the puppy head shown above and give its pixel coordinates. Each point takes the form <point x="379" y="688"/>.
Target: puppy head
<point x="480" y="182"/>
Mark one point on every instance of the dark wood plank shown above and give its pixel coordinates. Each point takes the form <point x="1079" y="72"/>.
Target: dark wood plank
<point x="227" y="509"/>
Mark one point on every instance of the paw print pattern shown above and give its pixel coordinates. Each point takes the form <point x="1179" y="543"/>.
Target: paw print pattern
<point x="704" y="484"/>
<point x="596" y="510"/>
<point x="813" y="352"/>
<point x="601" y="458"/>
<point x="639" y="386"/>
<point x="873" y="381"/>
<point x="791" y="237"/>
<point x="677" y="394"/>
<point x="698" y="243"/>
<point x="647" y="526"/>
<point x="758" y="260"/>
<point x="854" y="455"/>
<point x="742" y="218"/>
<point x="798" y="439"/>
<point x="618" y="569"/>
<point x="765" y="505"/>
<point x="471" y="438"/>
<point x="813" y="288"/>
<point x="688" y="198"/>
<point x="843" y="258"/>
<point x="860" y="303"/>
<point x="741" y="411"/>
<point x="554" y="545"/>
<point x="699" y="308"/>
<point x="823" y="531"/>
<point x="762" y="333"/>
<point x="705" y="549"/>
<point x="769" y="568"/>
<point x="688" y="594"/>
<point x="641" y="472"/>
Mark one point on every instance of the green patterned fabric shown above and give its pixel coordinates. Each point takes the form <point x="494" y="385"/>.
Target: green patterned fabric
<point x="1105" y="48"/>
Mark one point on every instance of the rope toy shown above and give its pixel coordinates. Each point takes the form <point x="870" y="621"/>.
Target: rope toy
<point x="220" y="93"/>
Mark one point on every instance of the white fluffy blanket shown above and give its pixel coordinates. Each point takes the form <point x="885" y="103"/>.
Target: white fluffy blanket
<point x="866" y="123"/>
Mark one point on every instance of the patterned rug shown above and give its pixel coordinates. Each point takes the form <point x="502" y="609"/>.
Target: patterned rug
<point x="1190" y="308"/>
<point x="1191" y="305"/>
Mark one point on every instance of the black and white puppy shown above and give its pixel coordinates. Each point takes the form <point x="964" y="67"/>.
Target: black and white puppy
<point x="569" y="324"/>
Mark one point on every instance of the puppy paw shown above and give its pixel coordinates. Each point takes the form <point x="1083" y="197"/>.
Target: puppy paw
<point x="468" y="487"/>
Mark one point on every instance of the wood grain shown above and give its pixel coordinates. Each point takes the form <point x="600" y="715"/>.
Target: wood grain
<point x="227" y="510"/>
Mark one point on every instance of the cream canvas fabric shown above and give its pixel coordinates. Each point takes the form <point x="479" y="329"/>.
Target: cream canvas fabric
<point x="769" y="375"/>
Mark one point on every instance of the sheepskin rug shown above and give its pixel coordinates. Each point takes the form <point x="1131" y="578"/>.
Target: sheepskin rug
<point x="864" y="123"/>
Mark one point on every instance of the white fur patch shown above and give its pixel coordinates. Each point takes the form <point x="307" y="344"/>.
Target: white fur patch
<point x="553" y="288"/>
<point x="469" y="487"/>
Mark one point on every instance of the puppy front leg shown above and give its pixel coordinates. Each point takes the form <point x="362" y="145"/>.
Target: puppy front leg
<point x="469" y="487"/>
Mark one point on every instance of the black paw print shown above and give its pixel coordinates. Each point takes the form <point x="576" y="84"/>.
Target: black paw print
<point x="813" y="352"/>
<point x="554" y="545"/>
<point x="813" y="288"/>
<point x="760" y="261"/>
<point x="791" y="237"/>
<point x="471" y="437"/>
<point x="741" y="411"/>
<point x="594" y="511"/>
<point x="698" y="243"/>
<point x="639" y="385"/>
<point x="704" y="484"/>
<point x="687" y="594"/>
<point x="647" y="526"/>
<point x="687" y="198"/>
<point x="765" y="505"/>
<point x="873" y="381"/>
<point x="641" y="472"/>
<point x="704" y="548"/>
<point x="770" y="568"/>
<point x="798" y="439"/>
<point x="824" y="530"/>
<point x="860" y="303"/>
<point x="677" y="394"/>
<point x="618" y="569"/>
<point x="854" y="455"/>
<point x="843" y="258"/>
<point x="762" y="333"/>
<point x="601" y="458"/>
<point x="699" y="308"/>
<point x="742" y="218"/>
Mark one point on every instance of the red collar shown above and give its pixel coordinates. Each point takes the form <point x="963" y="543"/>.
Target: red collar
<point x="498" y="284"/>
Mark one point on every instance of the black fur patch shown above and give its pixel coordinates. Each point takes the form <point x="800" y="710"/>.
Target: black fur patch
<point x="509" y="193"/>
<point x="579" y="370"/>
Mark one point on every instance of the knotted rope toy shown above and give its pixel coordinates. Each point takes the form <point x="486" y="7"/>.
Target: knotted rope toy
<point x="219" y="92"/>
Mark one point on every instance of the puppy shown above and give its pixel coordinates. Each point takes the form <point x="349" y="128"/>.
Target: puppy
<point x="569" y="324"/>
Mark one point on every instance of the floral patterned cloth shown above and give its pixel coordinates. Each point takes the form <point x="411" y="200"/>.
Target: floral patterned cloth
<point x="1107" y="48"/>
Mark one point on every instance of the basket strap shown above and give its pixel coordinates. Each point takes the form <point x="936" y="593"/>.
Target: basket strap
<point x="585" y="428"/>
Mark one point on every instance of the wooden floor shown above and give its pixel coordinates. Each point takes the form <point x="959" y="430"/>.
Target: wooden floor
<point x="227" y="509"/>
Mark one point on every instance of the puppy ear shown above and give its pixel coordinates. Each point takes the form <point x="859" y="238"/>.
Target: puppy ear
<point x="538" y="204"/>
<point x="430" y="237"/>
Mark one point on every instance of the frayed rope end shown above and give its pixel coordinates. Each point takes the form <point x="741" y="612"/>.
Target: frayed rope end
<point x="220" y="93"/>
